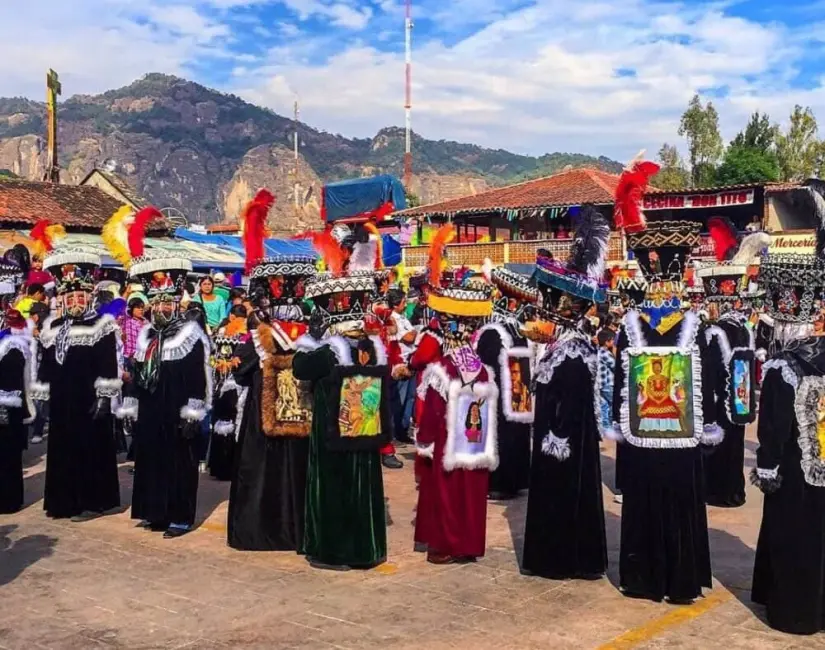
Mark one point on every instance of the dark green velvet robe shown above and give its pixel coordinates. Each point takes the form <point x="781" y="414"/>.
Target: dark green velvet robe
<point x="345" y="520"/>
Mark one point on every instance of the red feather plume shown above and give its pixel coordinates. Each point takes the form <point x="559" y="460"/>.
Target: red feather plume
<point x="627" y="212"/>
<point x="137" y="231"/>
<point x="442" y="237"/>
<point x="328" y="248"/>
<point x="725" y="237"/>
<point x="254" y="218"/>
<point x="39" y="234"/>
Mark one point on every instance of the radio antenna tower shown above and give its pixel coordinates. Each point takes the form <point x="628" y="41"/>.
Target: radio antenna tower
<point x="408" y="25"/>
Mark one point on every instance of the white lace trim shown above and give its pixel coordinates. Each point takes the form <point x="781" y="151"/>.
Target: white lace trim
<point x="40" y="391"/>
<point x="633" y="327"/>
<point x="698" y="415"/>
<point x="722" y="338"/>
<point x="83" y="335"/>
<point x="177" y="347"/>
<point x="193" y="411"/>
<point x="788" y="375"/>
<point x="224" y="428"/>
<point x="425" y="451"/>
<point x="240" y="407"/>
<point x="712" y="434"/>
<point x="614" y="433"/>
<point x="107" y="387"/>
<point x="768" y="474"/>
<point x="805" y="407"/>
<point x="229" y="384"/>
<point x="128" y="409"/>
<point x="689" y="331"/>
<point x="558" y="448"/>
<point x="11" y="398"/>
<point x="26" y="344"/>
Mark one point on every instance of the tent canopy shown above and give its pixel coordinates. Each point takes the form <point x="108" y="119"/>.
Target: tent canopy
<point x="376" y="196"/>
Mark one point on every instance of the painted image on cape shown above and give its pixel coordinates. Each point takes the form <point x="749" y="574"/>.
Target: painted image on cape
<point x="741" y="387"/>
<point x="521" y="400"/>
<point x="292" y="403"/>
<point x="661" y="395"/>
<point x="472" y="421"/>
<point x="820" y="425"/>
<point x="359" y="414"/>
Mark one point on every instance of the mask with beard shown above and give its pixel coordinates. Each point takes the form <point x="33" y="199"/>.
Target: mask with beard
<point x="163" y="313"/>
<point x="76" y="303"/>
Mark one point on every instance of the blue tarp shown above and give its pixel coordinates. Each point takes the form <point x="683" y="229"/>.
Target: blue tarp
<point x="347" y="199"/>
<point x="272" y="246"/>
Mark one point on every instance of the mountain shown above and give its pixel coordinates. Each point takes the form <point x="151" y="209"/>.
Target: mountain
<point x="205" y="152"/>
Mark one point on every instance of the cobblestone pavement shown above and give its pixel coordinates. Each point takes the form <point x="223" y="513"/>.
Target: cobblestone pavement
<point x="106" y="584"/>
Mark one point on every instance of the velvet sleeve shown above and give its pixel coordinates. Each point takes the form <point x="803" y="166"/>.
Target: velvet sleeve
<point x="107" y="370"/>
<point x="198" y="387"/>
<point x="250" y="362"/>
<point x="488" y="347"/>
<point x="774" y="430"/>
<point x="433" y="420"/>
<point x="12" y="380"/>
<point x="618" y="376"/>
<point x="313" y="365"/>
<point x="426" y="352"/>
<point x="41" y="389"/>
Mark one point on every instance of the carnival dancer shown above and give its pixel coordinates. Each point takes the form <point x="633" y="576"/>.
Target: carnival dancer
<point x="503" y="346"/>
<point x="790" y="461"/>
<point x="729" y="362"/>
<point x="79" y="375"/>
<point x="345" y="523"/>
<point x="18" y="358"/>
<point x="662" y="415"/>
<point x="564" y="530"/>
<point x="267" y="497"/>
<point x="226" y="396"/>
<point x="457" y="431"/>
<point x="173" y="381"/>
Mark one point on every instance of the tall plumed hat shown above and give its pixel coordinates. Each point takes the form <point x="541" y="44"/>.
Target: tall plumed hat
<point x="74" y="268"/>
<point x="455" y="294"/>
<point x="794" y="283"/>
<point x="518" y="295"/>
<point x="162" y="273"/>
<point x="569" y="288"/>
<point x="630" y="190"/>
<point x="726" y="278"/>
<point x="662" y="250"/>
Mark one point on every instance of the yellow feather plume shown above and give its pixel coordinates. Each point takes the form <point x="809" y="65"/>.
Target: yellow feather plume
<point x="115" y="235"/>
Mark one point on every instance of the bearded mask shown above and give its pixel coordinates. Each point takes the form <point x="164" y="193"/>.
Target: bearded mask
<point x="163" y="313"/>
<point x="76" y="303"/>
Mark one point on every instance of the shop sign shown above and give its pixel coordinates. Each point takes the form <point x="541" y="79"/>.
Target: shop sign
<point x="695" y="201"/>
<point x="793" y="242"/>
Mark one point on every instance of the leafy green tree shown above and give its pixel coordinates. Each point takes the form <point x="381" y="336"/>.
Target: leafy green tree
<point x="700" y="126"/>
<point x="673" y="175"/>
<point x="412" y="199"/>
<point x="743" y="164"/>
<point x="759" y="134"/>
<point x="799" y="151"/>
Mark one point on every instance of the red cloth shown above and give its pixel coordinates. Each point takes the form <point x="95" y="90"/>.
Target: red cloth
<point x="428" y="350"/>
<point x="39" y="277"/>
<point x="452" y="506"/>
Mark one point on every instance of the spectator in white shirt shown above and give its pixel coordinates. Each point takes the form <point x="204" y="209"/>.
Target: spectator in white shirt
<point x="403" y="390"/>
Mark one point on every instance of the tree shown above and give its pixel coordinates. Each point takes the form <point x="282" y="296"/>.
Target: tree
<point x="743" y="165"/>
<point x="700" y="126"/>
<point x="799" y="150"/>
<point x="672" y="175"/>
<point x="759" y="134"/>
<point x="412" y="199"/>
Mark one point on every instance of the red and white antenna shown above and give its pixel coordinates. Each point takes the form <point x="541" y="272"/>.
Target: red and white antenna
<point x="408" y="25"/>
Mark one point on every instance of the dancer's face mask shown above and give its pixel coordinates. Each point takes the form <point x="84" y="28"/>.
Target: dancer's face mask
<point x="163" y="313"/>
<point x="75" y="303"/>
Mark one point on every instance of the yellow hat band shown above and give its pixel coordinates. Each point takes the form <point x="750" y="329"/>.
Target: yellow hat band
<point x="455" y="307"/>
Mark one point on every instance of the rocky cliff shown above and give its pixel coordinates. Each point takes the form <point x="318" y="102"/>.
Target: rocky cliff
<point x="205" y="153"/>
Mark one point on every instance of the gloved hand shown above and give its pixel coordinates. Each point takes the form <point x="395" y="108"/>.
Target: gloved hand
<point x="189" y="429"/>
<point x="102" y="408"/>
<point x="4" y="415"/>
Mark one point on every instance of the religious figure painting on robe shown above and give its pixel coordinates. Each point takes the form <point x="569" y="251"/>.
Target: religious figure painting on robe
<point x="741" y="387"/>
<point x="521" y="401"/>
<point x="741" y="399"/>
<point x="661" y="395"/>
<point x="359" y="412"/>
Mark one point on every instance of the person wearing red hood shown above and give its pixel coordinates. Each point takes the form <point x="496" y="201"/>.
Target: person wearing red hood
<point x="37" y="275"/>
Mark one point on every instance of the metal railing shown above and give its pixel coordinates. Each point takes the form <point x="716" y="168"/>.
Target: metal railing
<point x="504" y="252"/>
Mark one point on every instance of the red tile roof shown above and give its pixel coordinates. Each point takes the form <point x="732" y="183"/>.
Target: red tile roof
<point x="73" y="206"/>
<point x="572" y="187"/>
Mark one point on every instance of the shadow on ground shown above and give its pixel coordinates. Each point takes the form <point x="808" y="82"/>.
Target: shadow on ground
<point x="16" y="555"/>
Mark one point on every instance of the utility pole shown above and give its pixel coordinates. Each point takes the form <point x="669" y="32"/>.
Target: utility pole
<point x="408" y="25"/>
<point x="53" y="89"/>
<point x="295" y="188"/>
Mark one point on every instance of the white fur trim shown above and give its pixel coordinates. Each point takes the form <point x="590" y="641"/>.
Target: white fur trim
<point x="26" y="344"/>
<point x="177" y="347"/>
<point x="698" y="415"/>
<point x="689" y="330"/>
<point x="488" y="458"/>
<point x="712" y="434"/>
<point x="761" y="355"/>
<point x="429" y="332"/>
<point x="306" y="343"/>
<point x="193" y="411"/>
<point x="84" y="335"/>
<point x="558" y="448"/>
<point x="128" y="409"/>
<point x="106" y="387"/>
<point x="229" y="384"/>
<point x="341" y="349"/>
<point x="11" y="398"/>
<point x="40" y="391"/>
<point x="722" y="338"/>
<point x="614" y="433"/>
<point x="506" y="339"/>
<point x="426" y="451"/>
<point x="768" y="474"/>
<point x="380" y="351"/>
<point x="633" y="327"/>
<point x="788" y="375"/>
<point x="506" y="381"/>
<point x="435" y="376"/>
<point x="805" y="408"/>
<point x="224" y="428"/>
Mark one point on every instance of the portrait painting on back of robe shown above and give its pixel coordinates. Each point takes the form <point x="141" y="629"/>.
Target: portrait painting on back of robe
<point x="741" y="387"/>
<point x="661" y="395"/>
<point x="521" y="400"/>
<point x="472" y="419"/>
<point x="359" y="411"/>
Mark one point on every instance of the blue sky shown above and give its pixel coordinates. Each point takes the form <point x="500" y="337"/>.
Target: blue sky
<point x="591" y="76"/>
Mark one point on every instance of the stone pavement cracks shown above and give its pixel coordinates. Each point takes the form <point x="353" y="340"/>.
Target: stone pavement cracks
<point x="106" y="584"/>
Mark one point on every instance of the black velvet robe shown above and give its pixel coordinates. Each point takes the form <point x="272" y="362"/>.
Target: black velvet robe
<point x="724" y="465"/>
<point x="81" y="461"/>
<point x="266" y="500"/>
<point x="166" y="463"/>
<point x="513" y="472"/>
<point x="664" y="537"/>
<point x="15" y="359"/>
<point x="564" y="531"/>
<point x="789" y="572"/>
<point x="222" y="442"/>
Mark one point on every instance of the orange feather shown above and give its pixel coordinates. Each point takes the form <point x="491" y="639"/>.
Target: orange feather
<point x="435" y="256"/>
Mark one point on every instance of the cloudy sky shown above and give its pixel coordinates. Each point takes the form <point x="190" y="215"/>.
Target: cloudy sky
<point x="532" y="76"/>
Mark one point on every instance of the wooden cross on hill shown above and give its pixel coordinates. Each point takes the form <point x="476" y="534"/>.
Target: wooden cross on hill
<point x="53" y="89"/>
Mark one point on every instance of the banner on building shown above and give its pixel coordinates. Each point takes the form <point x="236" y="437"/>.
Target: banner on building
<point x="696" y="201"/>
<point x="793" y="242"/>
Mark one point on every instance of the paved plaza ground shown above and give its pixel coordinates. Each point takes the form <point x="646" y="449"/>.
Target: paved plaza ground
<point x="106" y="584"/>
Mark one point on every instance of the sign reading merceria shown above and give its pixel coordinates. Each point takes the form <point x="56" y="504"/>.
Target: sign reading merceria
<point x="797" y="242"/>
<point x="694" y="201"/>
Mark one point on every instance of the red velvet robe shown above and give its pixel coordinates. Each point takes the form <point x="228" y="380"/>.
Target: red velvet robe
<point x="428" y="350"/>
<point x="452" y="506"/>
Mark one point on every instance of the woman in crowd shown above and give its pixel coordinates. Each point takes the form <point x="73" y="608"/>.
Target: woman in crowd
<point x="213" y="304"/>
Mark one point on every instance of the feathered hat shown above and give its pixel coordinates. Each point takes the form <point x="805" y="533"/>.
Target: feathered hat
<point x="726" y="278"/>
<point x="162" y="273"/>
<point x="455" y="294"/>
<point x="45" y="235"/>
<point x="73" y="268"/>
<point x="633" y="183"/>
<point x="276" y="283"/>
<point x="662" y="250"/>
<point x="570" y="288"/>
<point x="795" y="282"/>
